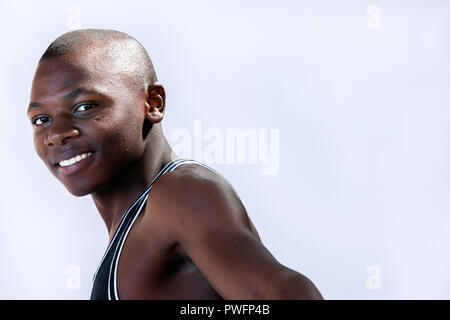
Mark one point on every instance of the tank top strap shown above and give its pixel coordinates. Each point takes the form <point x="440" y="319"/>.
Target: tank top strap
<point x="128" y="221"/>
<point x="131" y="211"/>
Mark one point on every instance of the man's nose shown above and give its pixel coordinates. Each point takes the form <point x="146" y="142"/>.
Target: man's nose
<point x="61" y="132"/>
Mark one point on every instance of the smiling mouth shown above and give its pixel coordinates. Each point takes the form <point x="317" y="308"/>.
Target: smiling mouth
<point x="73" y="160"/>
<point x="76" y="164"/>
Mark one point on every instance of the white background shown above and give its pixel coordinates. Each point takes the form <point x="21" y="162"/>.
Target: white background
<point x="360" y="99"/>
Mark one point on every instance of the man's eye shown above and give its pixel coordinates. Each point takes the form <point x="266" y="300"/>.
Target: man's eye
<point x="85" y="107"/>
<point x="39" y="121"/>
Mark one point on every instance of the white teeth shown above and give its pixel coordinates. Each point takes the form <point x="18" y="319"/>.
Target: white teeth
<point x="79" y="157"/>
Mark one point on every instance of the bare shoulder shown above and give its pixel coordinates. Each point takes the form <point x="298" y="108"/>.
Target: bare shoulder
<point x="195" y="197"/>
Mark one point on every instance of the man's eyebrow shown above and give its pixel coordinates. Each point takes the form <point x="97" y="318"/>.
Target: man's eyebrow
<point x="34" y="105"/>
<point x="68" y="96"/>
<point x="77" y="92"/>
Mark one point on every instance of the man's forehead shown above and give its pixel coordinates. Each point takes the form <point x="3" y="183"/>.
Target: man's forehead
<point x="62" y="73"/>
<point x="72" y="66"/>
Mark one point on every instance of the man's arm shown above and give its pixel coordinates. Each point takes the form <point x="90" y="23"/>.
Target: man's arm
<point x="203" y="214"/>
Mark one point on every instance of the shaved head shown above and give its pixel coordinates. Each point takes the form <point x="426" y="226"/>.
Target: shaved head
<point x="125" y="54"/>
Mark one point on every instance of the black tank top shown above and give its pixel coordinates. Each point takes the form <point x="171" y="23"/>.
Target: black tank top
<point x="105" y="278"/>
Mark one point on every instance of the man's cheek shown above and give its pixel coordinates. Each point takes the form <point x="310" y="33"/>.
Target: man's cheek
<point x="38" y="149"/>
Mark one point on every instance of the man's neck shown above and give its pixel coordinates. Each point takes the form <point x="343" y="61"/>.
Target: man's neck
<point x="113" y="200"/>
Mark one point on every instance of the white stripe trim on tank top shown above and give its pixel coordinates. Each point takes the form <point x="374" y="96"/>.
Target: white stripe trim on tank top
<point x="115" y="263"/>
<point x="167" y="168"/>
<point x="116" y="295"/>
<point x="118" y="255"/>
<point x="124" y="218"/>
<point x="115" y="234"/>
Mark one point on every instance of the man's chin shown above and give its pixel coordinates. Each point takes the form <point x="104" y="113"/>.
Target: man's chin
<point x="79" y="191"/>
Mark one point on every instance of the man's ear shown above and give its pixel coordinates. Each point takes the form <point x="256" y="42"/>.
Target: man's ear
<point x="156" y="102"/>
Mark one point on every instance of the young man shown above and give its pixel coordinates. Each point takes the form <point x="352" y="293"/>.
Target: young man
<point x="177" y="228"/>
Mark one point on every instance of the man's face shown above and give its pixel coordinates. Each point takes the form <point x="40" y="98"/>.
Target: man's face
<point x="87" y="124"/>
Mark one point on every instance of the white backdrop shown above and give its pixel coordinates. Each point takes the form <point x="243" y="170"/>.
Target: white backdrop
<point x="353" y="97"/>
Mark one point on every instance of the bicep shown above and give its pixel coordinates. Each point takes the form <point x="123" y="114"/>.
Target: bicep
<point x="233" y="261"/>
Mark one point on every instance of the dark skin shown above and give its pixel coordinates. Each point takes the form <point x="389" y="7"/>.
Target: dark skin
<point x="194" y="239"/>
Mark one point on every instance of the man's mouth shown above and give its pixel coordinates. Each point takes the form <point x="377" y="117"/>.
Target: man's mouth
<point x="77" y="163"/>
<point x="74" y="159"/>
